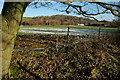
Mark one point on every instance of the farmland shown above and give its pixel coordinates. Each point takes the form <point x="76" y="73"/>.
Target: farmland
<point x="58" y="56"/>
<point x="59" y="52"/>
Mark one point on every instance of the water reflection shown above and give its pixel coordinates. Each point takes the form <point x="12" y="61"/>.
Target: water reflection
<point x="63" y="31"/>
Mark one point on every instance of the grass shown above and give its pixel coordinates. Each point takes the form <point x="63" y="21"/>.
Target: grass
<point x="77" y="27"/>
<point x="92" y="27"/>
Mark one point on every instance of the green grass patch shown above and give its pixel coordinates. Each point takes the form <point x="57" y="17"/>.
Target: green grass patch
<point x="93" y="27"/>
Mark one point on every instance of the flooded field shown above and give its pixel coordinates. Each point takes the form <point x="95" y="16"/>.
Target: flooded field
<point x="64" y="31"/>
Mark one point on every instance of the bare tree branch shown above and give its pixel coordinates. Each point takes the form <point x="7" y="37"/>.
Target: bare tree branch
<point x="107" y="8"/>
<point x="80" y="11"/>
<point x="107" y="4"/>
<point x="113" y="11"/>
<point x="67" y="9"/>
<point x="104" y="5"/>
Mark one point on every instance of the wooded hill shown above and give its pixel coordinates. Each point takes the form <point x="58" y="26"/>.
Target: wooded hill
<point x="59" y="20"/>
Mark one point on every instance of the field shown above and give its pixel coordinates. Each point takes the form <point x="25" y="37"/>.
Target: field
<point x="77" y="27"/>
<point x="60" y="58"/>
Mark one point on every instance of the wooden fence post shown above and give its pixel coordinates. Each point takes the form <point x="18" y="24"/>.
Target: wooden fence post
<point x="99" y="33"/>
<point x="68" y="35"/>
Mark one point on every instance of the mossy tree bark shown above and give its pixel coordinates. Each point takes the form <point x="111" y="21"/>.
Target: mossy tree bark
<point x="12" y="13"/>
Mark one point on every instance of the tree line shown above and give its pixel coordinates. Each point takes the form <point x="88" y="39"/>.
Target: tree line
<point x="61" y="20"/>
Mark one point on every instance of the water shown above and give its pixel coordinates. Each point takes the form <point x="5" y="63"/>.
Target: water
<point x="63" y="31"/>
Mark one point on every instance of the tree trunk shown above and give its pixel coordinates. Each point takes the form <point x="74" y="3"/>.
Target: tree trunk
<point x="12" y="13"/>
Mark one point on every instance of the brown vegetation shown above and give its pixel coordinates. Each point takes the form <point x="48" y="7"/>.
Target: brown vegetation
<point x="60" y="20"/>
<point x="88" y="59"/>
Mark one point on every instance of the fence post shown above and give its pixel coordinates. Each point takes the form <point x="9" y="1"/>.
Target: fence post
<point x="68" y="48"/>
<point x="68" y="35"/>
<point x="99" y="32"/>
<point x="57" y="44"/>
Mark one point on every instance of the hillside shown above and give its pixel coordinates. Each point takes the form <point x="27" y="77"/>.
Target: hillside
<point x="0" y="21"/>
<point x="58" y="20"/>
